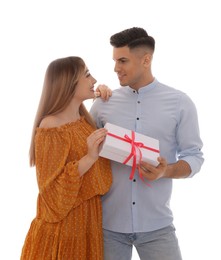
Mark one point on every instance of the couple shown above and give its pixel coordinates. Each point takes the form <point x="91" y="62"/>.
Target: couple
<point x="77" y="187"/>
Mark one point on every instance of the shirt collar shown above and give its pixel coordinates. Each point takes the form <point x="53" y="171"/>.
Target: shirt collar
<point x="146" y="88"/>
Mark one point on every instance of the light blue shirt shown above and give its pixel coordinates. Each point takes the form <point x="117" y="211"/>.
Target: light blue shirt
<point x="163" y="113"/>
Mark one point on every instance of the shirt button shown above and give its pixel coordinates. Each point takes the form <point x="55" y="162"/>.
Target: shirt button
<point x="134" y="180"/>
<point x="138" y="118"/>
<point x="133" y="203"/>
<point x="138" y="102"/>
<point x="134" y="91"/>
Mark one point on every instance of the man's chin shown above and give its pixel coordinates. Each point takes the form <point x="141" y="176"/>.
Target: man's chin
<point x="122" y="83"/>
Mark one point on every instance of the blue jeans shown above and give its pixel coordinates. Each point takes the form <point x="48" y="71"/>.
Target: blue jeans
<point x="161" y="244"/>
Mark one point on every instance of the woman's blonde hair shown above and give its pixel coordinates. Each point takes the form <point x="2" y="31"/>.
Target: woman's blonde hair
<point x="59" y="86"/>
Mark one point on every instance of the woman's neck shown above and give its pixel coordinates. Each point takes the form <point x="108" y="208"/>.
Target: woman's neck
<point x="70" y="114"/>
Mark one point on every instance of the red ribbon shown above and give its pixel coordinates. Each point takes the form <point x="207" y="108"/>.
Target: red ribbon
<point x="135" y="146"/>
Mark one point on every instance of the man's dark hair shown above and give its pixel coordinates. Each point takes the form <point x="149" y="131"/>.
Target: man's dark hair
<point x="132" y="37"/>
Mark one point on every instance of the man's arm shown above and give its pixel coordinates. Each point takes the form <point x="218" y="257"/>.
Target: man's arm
<point x="180" y="169"/>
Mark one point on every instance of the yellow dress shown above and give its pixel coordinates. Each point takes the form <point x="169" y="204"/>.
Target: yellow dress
<point x="68" y="223"/>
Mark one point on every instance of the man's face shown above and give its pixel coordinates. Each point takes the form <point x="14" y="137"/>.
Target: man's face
<point x="129" y="66"/>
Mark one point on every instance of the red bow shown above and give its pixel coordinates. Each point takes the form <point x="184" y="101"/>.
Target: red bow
<point x="135" y="146"/>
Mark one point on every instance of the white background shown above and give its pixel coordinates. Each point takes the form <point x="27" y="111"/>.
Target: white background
<point x="187" y="57"/>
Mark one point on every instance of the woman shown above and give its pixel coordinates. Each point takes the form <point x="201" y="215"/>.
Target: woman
<point x="71" y="178"/>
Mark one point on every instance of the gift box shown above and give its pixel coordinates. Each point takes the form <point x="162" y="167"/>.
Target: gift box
<point x="129" y="147"/>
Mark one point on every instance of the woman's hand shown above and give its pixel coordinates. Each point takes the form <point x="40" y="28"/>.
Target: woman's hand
<point x="103" y="91"/>
<point x="94" y="141"/>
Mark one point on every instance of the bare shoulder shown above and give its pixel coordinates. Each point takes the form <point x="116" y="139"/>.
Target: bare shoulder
<point x="49" y="122"/>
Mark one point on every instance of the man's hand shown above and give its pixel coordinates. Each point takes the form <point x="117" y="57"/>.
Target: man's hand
<point x="103" y="91"/>
<point x="151" y="172"/>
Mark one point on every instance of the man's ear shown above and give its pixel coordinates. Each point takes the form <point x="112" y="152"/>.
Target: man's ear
<point x="147" y="59"/>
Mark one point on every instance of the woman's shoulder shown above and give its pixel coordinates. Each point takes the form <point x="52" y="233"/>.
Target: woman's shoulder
<point x="52" y="128"/>
<point x="55" y="123"/>
<point x="50" y="122"/>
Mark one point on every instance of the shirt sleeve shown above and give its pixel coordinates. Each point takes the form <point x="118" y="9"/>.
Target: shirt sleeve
<point x="188" y="135"/>
<point x="59" y="181"/>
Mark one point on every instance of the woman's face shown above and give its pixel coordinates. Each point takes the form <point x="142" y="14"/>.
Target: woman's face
<point x="85" y="86"/>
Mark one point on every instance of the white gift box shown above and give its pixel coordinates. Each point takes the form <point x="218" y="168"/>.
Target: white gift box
<point x="118" y="144"/>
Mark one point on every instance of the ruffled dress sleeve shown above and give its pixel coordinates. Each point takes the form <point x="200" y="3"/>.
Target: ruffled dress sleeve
<point x="59" y="181"/>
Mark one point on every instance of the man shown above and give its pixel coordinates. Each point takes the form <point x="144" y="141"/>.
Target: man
<point x="133" y="213"/>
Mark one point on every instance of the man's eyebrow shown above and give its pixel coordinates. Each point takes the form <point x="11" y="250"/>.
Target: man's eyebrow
<point x="122" y="58"/>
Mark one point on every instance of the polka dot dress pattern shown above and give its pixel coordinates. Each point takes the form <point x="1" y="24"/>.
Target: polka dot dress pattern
<point x="68" y="223"/>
